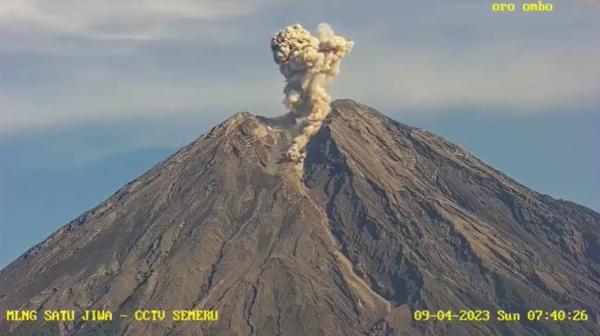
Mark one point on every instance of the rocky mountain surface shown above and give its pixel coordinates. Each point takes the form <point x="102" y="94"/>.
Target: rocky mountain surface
<point x="383" y="220"/>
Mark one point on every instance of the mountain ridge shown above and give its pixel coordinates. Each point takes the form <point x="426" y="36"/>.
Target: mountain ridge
<point x="384" y="219"/>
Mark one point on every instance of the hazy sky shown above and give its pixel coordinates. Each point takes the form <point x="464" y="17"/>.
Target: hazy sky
<point x="93" y="93"/>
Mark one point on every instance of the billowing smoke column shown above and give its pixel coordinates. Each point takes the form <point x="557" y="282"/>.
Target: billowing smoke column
<point x="308" y="64"/>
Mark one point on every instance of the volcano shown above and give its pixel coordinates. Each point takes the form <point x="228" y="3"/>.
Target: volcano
<point x="383" y="220"/>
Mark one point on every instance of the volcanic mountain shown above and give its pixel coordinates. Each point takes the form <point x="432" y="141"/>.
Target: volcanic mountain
<point x="383" y="219"/>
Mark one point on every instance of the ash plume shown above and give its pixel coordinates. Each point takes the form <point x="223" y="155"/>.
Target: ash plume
<point x="308" y="64"/>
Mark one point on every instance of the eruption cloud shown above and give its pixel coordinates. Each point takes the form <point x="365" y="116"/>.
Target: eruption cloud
<point x="308" y="63"/>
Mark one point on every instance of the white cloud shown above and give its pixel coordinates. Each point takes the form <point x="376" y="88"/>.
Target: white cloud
<point x="95" y="96"/>
<point x="525" y="81"/>
<point x="72" y="62"/>
<point x="112" y="19"/>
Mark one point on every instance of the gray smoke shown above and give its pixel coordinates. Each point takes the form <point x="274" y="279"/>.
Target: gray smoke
<point x="308" y="64"/>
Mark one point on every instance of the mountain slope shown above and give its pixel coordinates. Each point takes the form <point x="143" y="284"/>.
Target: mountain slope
<point x="385" y="219"/>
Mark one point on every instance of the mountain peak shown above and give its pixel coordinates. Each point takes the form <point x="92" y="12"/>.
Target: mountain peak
<point x="385" y="219"/>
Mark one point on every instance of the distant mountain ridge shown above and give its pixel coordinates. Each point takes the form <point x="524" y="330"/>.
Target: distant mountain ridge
<point x="386" y="219"/>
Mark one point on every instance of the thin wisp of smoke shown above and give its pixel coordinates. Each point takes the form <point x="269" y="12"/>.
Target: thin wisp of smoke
<point x="308" y="64"/>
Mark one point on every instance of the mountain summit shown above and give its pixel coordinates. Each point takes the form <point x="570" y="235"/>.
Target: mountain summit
<point x="383" y="220"/>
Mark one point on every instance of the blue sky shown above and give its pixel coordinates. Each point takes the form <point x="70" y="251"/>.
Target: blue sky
<point x="93" y="93"/>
